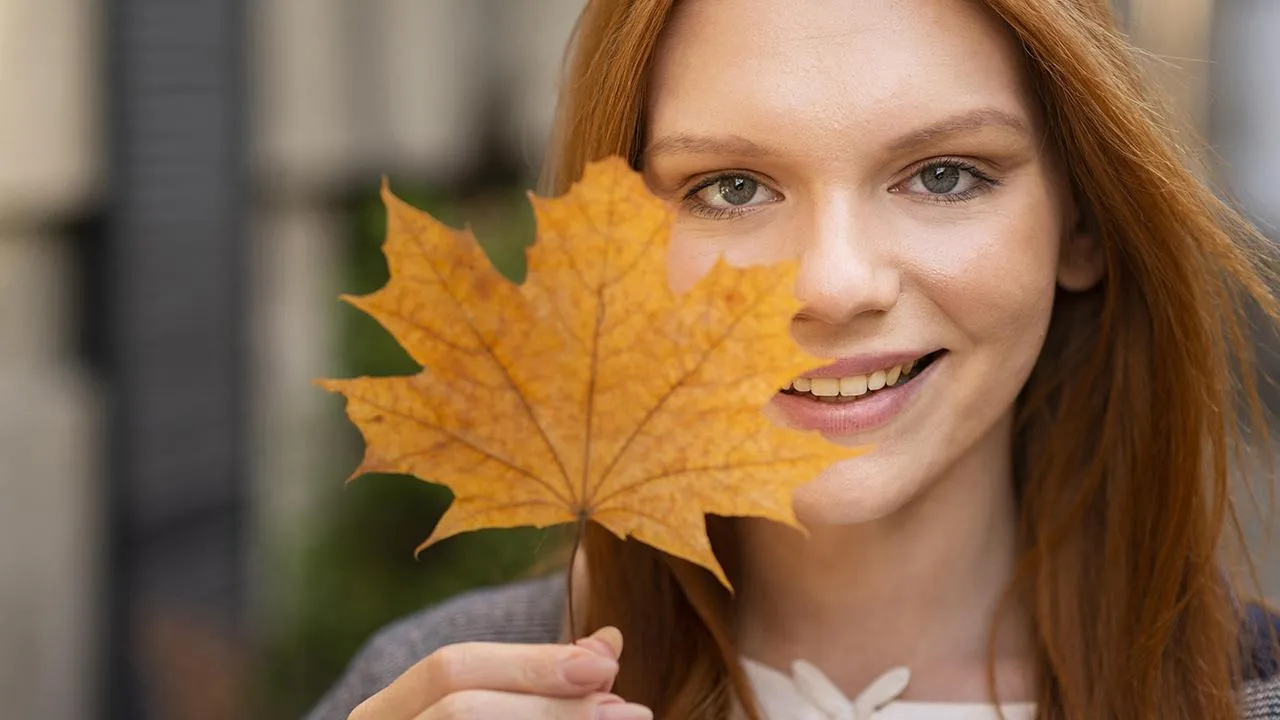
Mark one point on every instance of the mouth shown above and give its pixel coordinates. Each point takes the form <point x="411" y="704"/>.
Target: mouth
<point x="855" y="388"/>
<point x="856" y="402"/>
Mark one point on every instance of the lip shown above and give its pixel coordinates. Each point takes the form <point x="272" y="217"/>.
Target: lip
<point x="865" y="364"/>
<point x="869" y="413"/>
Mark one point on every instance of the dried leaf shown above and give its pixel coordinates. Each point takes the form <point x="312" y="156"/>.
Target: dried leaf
<point x="592" y="390"/>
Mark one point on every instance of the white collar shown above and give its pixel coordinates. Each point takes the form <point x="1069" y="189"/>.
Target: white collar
<point x="807" y="694"/>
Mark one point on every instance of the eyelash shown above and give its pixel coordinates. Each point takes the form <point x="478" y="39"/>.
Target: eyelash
<point x="985" y="183"/>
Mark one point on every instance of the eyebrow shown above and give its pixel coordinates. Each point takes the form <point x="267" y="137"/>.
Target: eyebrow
<point x="738" y="145"/>
<point x="957" y="124"/>
<point x="705" y="145"/>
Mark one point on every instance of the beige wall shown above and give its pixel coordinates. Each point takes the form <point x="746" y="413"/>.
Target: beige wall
<point x="49" y="496"/>
<point x="48" y="87"/>
<point x="1176" y="35"/>
<point x="49" y="419"/>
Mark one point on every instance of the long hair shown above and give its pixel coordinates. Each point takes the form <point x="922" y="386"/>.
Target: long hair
<point x="1125" y="430"/>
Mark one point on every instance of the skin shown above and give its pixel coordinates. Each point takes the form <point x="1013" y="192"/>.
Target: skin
<point x="826" y="110"/>
<point x="911" y="544"/>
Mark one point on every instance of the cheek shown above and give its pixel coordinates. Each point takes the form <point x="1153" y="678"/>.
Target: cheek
<point x="994" y="278"/>
<point x="695" y="247"/>
<point x="687" y="261"/>
<point x="697" y="244"/>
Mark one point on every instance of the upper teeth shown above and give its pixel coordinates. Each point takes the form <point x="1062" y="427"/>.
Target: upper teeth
<point x="853" y="385"/>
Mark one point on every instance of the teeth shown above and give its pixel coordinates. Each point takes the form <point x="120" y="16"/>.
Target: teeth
<point x="825" y="387"/>
<point x="830" y="389"/>
<point x="853" y="386"/>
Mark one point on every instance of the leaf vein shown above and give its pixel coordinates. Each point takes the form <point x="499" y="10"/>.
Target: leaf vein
<point x="614" y="494"/>
<point x="491" y="351"/>
<point x="484" y="452"/>
<point x="662" y="400"/>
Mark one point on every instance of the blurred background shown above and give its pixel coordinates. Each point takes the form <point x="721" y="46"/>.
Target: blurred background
<point x="185" y="188"/>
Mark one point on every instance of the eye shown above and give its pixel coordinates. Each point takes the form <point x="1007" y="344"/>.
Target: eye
<point x="728" y="194"/>
<point x="948" y="180"/>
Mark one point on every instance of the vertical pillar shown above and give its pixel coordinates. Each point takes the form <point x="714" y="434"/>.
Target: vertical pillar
<point x="175" y="311"/>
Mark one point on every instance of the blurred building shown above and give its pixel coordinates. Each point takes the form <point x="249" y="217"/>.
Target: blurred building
<point x="169" y="253"/>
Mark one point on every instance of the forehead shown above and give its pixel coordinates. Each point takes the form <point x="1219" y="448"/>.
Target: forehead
<point x="866" y="67"/>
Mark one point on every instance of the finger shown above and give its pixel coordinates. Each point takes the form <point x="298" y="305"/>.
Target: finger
<point x="552" y="670"/>
<point x="488" y="704"/>
<point x="606" y="641"/>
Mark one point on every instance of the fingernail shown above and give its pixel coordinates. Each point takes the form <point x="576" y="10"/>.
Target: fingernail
<point x="595" y="645"/>
<point x="588" y="669"/>
<point x="606" y="641"/>
<point x="630" y="711"/>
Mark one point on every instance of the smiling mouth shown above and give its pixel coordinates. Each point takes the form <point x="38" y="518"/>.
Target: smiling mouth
<point x="859" y="387"/>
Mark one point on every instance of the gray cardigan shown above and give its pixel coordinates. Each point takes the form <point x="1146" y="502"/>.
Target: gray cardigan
<point x="531" y="612"/>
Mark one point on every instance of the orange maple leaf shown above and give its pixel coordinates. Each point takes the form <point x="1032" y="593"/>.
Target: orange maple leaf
<point x="592" y="390"/>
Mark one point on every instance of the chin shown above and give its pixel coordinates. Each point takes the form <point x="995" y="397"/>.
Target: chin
<point x="854" y="492"/>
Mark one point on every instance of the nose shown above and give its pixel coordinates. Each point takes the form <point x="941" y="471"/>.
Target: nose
<point x="843" y="271"/>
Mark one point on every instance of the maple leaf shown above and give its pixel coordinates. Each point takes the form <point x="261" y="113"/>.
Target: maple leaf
<point x="592" y="391"/>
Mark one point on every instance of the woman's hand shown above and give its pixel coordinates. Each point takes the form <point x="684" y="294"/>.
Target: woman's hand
<point x="482" y="681"/>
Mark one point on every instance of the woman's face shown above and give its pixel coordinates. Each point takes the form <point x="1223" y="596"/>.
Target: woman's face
<point x="895" y="149"/>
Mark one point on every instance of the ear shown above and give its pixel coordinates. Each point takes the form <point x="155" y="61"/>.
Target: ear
<point x="1081" y="260"/>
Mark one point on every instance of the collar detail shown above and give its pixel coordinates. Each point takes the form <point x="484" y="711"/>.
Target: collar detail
<point x="824" y="695"/>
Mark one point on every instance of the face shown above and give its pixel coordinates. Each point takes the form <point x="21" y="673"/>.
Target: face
<point x="895" y="150"/>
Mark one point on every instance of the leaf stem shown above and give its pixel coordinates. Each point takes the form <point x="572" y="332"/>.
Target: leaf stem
<point x="579" y="531"/>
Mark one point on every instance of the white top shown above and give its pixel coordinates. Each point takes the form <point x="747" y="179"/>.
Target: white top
<point x="807" y="694"/>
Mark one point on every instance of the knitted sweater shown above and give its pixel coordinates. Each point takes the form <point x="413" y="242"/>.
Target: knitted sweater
<point x="531" y="612"/>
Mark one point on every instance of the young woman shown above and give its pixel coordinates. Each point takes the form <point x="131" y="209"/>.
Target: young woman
<point x="1037" y="315"/>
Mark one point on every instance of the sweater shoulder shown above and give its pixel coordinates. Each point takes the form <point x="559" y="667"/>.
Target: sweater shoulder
<point x="523" y="612"/>
<point x="1262" y="699"/>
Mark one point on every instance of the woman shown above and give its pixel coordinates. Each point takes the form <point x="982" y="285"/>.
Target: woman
<point x="1039" y="317"/>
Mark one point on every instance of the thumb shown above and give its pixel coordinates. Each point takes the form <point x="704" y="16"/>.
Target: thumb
<point x="607" y="641"/>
